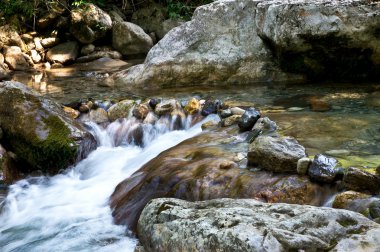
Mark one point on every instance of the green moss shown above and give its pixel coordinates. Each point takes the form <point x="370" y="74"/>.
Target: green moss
<point x="347" y="222"/>
<point x="365" y="163"/>
<point x="55" y="152"/>
<point x="200" y="171"/>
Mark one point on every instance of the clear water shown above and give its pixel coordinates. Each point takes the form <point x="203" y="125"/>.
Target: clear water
<point x="70" y="212"/>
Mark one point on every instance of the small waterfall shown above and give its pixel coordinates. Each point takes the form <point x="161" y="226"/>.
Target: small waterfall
<point x="69" y="211"/>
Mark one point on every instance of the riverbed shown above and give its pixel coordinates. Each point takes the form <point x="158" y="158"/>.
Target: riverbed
<point x="70" y="211"/>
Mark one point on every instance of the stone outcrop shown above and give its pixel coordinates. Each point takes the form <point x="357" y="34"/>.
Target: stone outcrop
<point x="129" y="39"/>
<point x="245" y="41"/>
<point x="38" y="132"/>
<point x="250" y="225"/>
<point x="89" y="23"/>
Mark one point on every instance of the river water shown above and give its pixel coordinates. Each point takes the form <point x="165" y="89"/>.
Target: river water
<point x="70" y="211"/>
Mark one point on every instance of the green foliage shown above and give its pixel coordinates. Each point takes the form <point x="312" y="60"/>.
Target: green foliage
<point x="78" y="3"/>
<point x="21" y="7"/>
<point x="183" y="9"/>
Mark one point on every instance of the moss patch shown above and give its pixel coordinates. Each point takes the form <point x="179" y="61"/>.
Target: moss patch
<point x="55" y="152"/>
<point x="365" y="163"/>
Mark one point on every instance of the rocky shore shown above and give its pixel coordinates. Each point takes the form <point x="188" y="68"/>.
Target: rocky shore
<point x="66" y="35"/>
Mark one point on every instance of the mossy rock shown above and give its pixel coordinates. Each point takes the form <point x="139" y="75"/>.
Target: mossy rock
<point x="38" y="132"/>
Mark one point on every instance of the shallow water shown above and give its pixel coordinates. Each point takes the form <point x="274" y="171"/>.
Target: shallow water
<point x="70" y="211"/>
<point x="352" y="126"/>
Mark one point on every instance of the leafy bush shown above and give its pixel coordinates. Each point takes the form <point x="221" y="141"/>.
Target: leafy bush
<point x="23" y="7"/>
<point x="183" y="9"/>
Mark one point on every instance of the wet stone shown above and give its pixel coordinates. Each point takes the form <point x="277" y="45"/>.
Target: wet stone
<point x="323" y="169"/>
<point x="362" y="181"/>
<point x="348" y="200"/>
<point x="303" y="165"/>
<point x="229" y="121"/>
<point x="71" y="112"/>
<point x="166" y="107"/>
<point x="374" y="209"/>
<point x="140" y="111"/>
<point x="277" y="154"/>
<point x="211" y="107"/>
<point x="192" y="106"/>
<point x="153" y="103"/>
<point x="99" y="115"/>
<point x="225" y="113"/>
<point x="84" y="108"/>
<point x="248" y="119"/>
<point x="237" y="111"/>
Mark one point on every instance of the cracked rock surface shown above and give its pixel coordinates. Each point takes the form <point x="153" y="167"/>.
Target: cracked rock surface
<point x="250" y="225"/>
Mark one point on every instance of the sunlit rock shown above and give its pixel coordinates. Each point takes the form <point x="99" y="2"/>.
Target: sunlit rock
<point x="250" y="225"/>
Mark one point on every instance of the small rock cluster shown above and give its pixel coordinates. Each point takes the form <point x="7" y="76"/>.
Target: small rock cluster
<point x="72" y="36"/>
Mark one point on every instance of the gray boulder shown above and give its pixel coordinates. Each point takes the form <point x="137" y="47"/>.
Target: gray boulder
<point x="322" y="39"/>
<point x="39" y="132"/>
<point x="89" y="23"/>
<point x="246" y="41"/>
<point x="250" y="225"/>
<point x="130" y="39"/>
<point x="277" y="154"/>
<point x="63" y="53"/>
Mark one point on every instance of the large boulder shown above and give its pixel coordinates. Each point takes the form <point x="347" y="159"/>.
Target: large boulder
<point x="63" y="53"/>
<point x="277" y="154"/>
<point x="129" y="39"/>
<point x="246" y="41"/>
<point x="9" y="37"/>
<point x="15" y="58"/>
<point x="207" y="167"/>
<point x="38" y="132"/>
<point x="323" y="39"/>
<point x="89" y="23"/>
<point x="250" y="225"/>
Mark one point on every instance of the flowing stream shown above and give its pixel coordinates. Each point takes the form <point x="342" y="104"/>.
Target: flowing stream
<point x="70" y="211"/>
